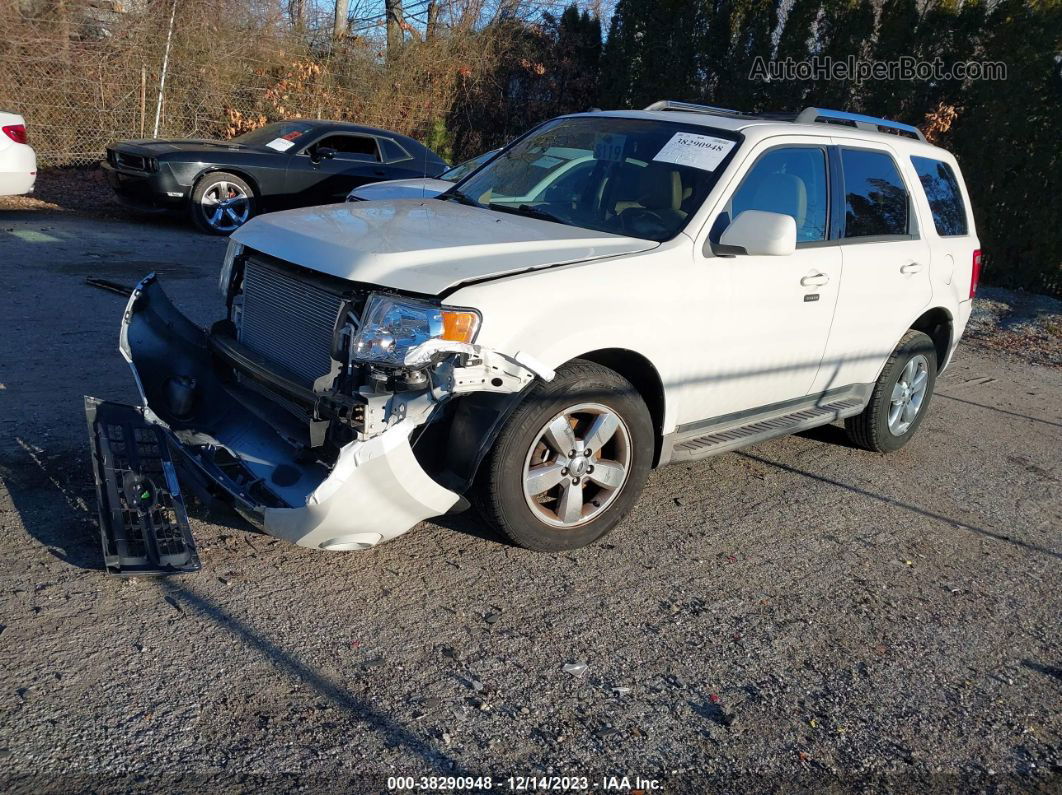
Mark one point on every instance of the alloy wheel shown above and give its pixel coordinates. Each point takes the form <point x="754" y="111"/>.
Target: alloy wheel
<point x="577" y="465"/>
<point x="225" y="206"/>
<point x="908" y="395"/>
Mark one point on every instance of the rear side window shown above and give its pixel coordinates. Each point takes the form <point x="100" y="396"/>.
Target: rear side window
<point x="876" y="200"/>
<point x="790" y="181"/>
<point x="942" y="191"/>
<point x="393" y="151"/>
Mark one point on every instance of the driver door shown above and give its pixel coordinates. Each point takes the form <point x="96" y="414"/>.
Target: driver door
<point x="771" y="315"/>
<point x="317" y="180"/>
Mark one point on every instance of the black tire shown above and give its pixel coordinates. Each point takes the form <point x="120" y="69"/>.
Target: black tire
<point x="870" y="429"/>
<point x="499" y="491"/>
<point x="209" y="182"/>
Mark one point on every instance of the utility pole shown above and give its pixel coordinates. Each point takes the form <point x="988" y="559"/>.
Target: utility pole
<point x="165" y="67"/>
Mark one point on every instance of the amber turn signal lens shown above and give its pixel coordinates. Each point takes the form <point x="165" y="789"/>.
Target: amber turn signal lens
<point x="459" y="326"/>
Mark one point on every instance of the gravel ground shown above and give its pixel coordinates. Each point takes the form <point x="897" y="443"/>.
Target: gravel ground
<point x="799" y="615"/>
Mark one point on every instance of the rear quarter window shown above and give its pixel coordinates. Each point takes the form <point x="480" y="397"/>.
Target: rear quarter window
<point x="393" y="151"/>
<point x="945" y="198"/>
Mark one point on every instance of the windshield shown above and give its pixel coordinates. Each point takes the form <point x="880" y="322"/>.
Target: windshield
<point x="462" y="170"/>
<point x="281" y="135"/>
<point x="638" y="177"/>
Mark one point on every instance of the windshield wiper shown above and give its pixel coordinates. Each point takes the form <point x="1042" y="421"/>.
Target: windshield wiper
<point x="530" y="212"/>
<point x="458" y="197"/>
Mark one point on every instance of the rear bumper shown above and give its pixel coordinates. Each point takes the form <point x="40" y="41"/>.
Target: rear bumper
<point x="259" y="459"/>
<point x="18" y="170"/>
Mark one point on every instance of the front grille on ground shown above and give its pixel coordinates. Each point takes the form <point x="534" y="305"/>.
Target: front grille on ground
<point x="287" y="320"/>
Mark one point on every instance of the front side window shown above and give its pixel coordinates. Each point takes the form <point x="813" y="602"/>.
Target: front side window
<point x="942" y="191"/>
<point x="876" y="200"/>
<point x="351" y="147"/>
<point x="791" y="181"/>
<point x="638" y="177"/>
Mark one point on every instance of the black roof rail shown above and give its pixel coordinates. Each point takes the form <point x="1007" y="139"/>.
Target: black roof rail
<point x="806" y="116"/>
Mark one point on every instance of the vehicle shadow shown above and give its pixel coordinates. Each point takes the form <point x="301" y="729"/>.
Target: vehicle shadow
<point x="391" y="732"/>
<point x="54" y="496"/>
<point x="901" y="504"/>
<point x="829" y="434"/>
<point x="469" y="523"/>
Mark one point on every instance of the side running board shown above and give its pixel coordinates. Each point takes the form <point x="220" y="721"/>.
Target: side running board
<point x="731" y="433"/>
<point x="143" y="523"/>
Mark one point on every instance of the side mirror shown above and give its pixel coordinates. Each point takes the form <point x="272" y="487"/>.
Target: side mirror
<point x="323" y="153"/>
<point x="759" y="233"/>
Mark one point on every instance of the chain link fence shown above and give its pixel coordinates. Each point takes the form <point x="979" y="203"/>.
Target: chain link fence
<point x="80" y="91"/>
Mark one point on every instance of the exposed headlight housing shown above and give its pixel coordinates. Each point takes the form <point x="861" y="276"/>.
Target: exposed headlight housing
<point x="393" y="327"/>
<point x="231" y="253"/>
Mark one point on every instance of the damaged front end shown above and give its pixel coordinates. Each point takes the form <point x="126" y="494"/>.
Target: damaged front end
<point x="275" y="411"/>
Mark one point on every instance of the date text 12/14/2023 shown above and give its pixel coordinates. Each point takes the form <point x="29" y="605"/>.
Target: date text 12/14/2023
<point x="635" y="785"/>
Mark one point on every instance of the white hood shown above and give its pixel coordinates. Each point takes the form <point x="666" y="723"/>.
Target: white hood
<point x="423" y="245"/>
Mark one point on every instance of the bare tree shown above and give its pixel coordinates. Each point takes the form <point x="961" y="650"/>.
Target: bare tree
<point x="395" y="23"/>
<point x="431" y="28"/>
<point x="297" y="13"/>
<point x="339" y="26"/>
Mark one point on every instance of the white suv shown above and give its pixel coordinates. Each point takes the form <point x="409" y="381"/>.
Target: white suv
<point x="614" y="292"/>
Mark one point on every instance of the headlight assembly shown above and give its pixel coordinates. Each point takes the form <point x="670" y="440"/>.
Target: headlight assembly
<point x="393" y="326"/>
<point x="231" y="253"/>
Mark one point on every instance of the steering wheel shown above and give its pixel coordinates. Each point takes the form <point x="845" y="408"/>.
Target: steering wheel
<point x="639" y="221"/>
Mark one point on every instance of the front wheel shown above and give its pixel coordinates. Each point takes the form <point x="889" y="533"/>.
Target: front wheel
<point x="900" y="398"/>
<point x="571" y="461"/>
<point x="221" y="203"/>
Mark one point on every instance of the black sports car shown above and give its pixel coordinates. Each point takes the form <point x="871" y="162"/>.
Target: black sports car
<point x="281" y="165"/>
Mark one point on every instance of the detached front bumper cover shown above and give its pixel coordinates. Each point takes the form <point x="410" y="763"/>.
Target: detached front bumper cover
<point x="256" y="460"/>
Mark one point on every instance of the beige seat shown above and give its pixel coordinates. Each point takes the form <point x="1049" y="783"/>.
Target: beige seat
<point x="656" y="189"/>
<point x="781" y="193"/>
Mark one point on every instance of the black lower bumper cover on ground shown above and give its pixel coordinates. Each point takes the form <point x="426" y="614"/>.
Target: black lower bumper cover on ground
<point x="143" y="523"/>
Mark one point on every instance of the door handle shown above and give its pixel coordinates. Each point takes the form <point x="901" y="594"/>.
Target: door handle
<point x="911" y="267"/>
<point x="814" y="280"/>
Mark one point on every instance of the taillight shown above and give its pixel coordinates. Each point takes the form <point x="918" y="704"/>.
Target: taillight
<point x="975" y="272"/>
<point x="16" y="132"/>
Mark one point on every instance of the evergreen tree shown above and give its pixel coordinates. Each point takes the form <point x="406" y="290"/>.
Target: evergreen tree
<point x="1006" y="139"/>
<point x="795" y="44"/>
<point x="754" y="24"/>
<point x="896" y="27"/>
<point x="846" y="32"/>
<point x="574" y="64"/>
<point x="652" y="53"/>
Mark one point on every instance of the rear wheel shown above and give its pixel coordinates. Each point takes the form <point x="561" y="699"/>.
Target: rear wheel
<point x="900" y="398"/>
<point x="221" y="203"/>
<point x="570" y="463"/>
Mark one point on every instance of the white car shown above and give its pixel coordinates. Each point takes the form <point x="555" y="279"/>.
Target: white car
<point x="615" y="291"/>
<point x="18" y="161"/>
<point x="419" y="188"/>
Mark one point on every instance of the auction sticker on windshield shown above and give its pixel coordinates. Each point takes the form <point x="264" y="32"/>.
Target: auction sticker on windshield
<point x="699" y="151"/>
<point x="280" y="144"/>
